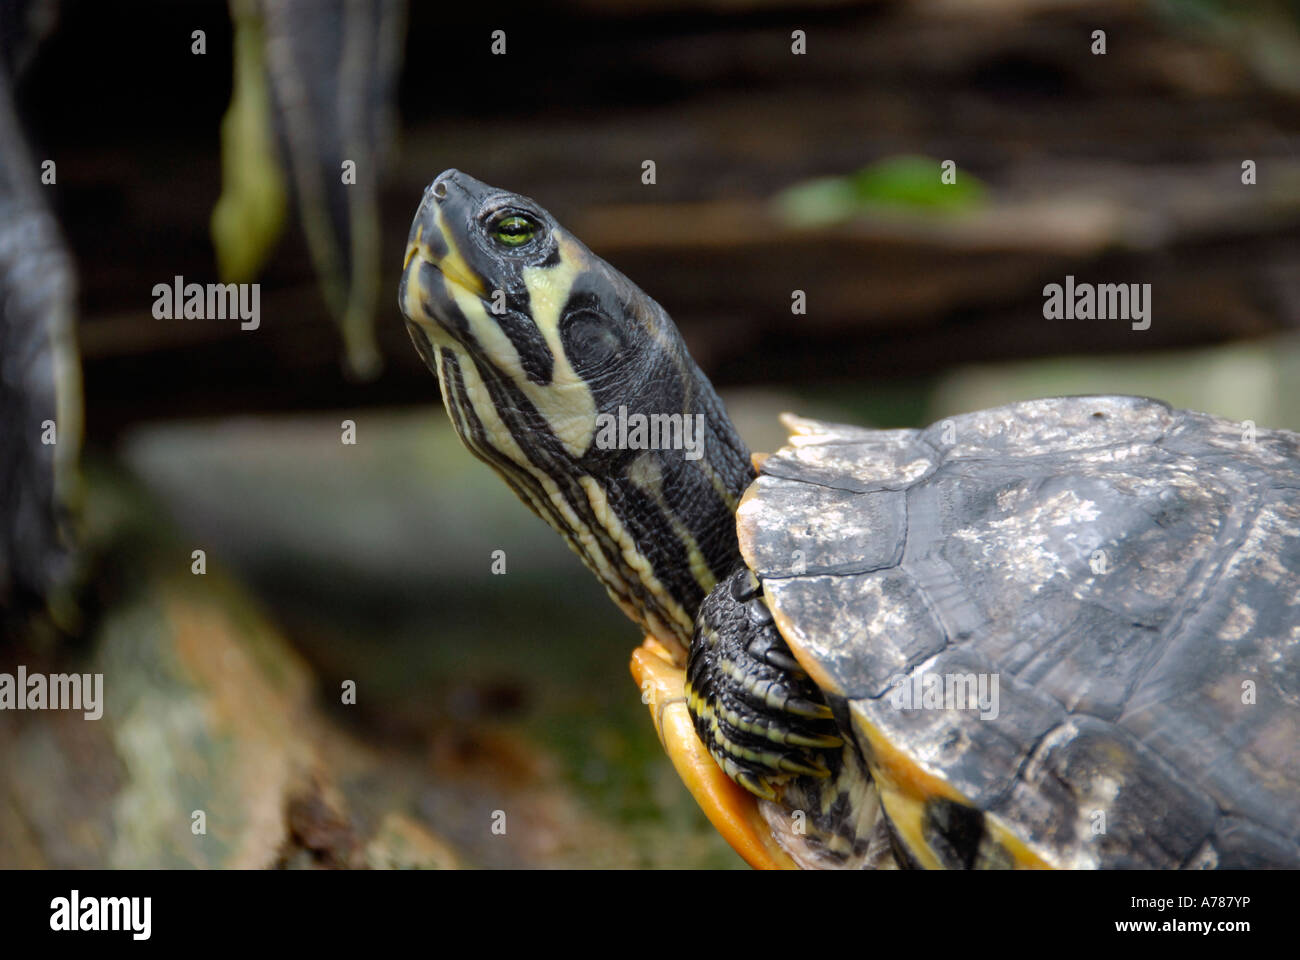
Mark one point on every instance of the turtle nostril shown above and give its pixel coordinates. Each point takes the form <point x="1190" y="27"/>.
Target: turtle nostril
<point x="439" y="186"/>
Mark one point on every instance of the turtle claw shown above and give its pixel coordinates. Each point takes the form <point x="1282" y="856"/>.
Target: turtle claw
<point x="806" y="708"/>
<point x="812" y="768"/>
<point x="818" y="741"/>
<point x="758" y="786"/>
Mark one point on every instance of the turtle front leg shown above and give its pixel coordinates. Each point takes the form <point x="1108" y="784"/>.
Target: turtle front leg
<point x="761" y="717"/>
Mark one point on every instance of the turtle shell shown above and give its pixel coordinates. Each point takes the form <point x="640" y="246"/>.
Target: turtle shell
<point x="1063" y="632"/>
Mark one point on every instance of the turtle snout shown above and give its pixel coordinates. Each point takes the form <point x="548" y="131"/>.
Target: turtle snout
<point x="453" y="189"/>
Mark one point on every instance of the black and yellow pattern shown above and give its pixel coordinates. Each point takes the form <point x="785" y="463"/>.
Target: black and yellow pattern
<point x="762" y="718"/>
<point x="787" y="611"/>
<point x="533" y="338"/>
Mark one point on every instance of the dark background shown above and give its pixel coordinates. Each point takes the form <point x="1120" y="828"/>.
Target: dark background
<point x="1119" y="168"/>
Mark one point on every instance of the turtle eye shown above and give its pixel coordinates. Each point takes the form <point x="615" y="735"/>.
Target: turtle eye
<point x="514" y="230"/>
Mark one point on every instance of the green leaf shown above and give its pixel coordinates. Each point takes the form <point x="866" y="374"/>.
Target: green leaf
<point x="907" y="183"/>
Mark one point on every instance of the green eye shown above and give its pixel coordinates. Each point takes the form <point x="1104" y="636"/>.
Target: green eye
<point x="514" y="231"/>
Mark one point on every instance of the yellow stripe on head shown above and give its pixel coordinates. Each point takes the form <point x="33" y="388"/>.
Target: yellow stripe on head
<point x="566" y="402"/>
<point x="538" y="344"/>
<point x="452" y="264"/>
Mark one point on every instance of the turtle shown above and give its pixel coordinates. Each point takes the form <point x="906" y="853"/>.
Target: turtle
<point x="41" y="410"/>
<point x="1062" y="633"/>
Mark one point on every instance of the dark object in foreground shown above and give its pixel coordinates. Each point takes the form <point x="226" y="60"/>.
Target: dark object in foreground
<point x="1058" y="633"/>
<point x="40" y="382"/>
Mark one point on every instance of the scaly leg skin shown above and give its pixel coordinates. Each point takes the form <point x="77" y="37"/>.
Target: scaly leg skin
<point x="762" y="718"/>
<point x="769" y="728"/>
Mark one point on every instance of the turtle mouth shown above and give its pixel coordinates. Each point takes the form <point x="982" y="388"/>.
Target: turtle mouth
<point x="434" y="293"/>
<point x="452" y="273"/>
<point x="431" y="285"/>
<point x="436" y="276"/>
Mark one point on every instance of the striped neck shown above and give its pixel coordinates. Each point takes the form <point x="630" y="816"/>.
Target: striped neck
<point x="576" y="387"/>
<point x="648" y="506"/>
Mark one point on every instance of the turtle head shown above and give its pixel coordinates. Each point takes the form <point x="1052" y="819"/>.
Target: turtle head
<point x="493" y="273"/>
<point x="577" y="388"/>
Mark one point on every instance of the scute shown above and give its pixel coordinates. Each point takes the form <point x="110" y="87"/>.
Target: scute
<point x="1129" y="573"/>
